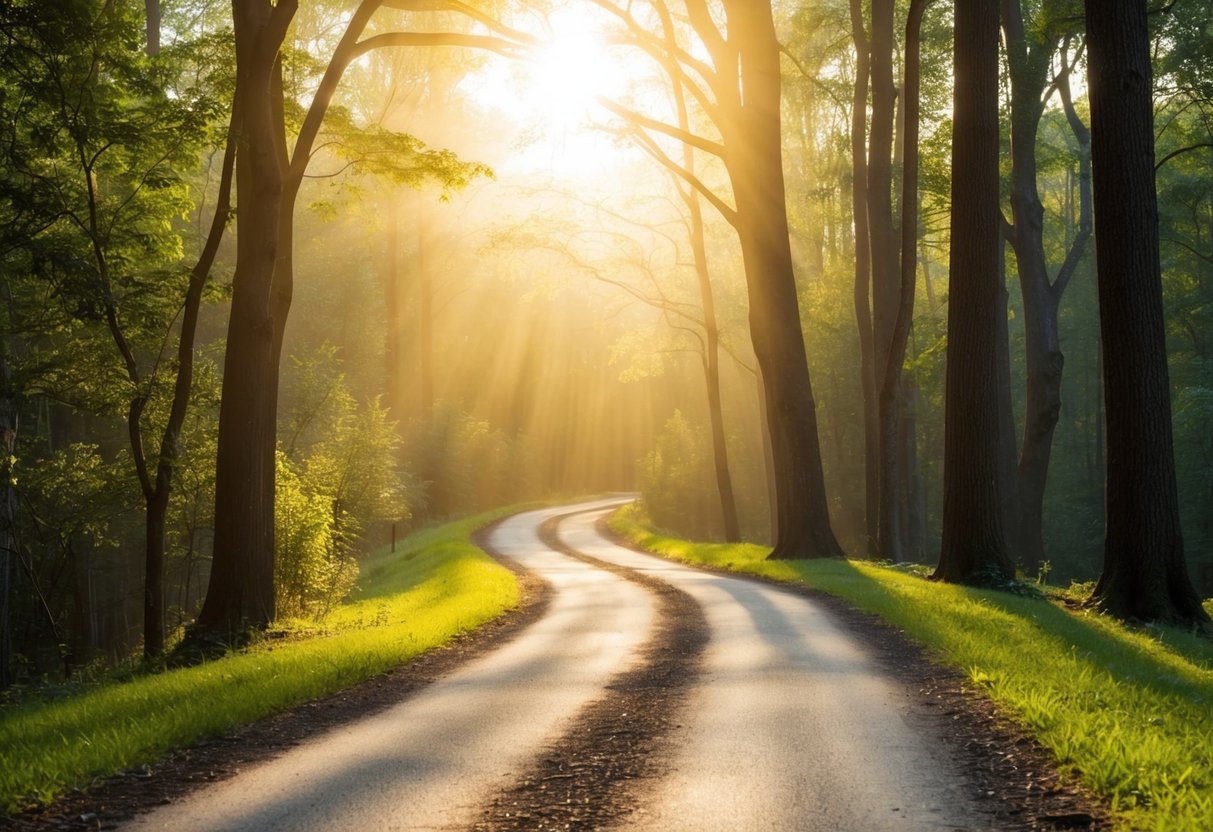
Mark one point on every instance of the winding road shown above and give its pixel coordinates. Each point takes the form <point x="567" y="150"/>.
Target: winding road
<point x="784" y="723"/>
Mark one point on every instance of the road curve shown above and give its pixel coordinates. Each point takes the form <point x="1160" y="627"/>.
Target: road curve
<point x="788" y="726"/>
<point x="434" y="760"/>
<point x="791" y="726"/>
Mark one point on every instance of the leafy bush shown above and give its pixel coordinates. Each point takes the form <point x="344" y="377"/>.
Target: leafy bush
<point x="678" y="483"/>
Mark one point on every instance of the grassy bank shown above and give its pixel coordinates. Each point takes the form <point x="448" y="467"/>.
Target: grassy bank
<point x="434" y="587"/>
<point x="1128" y="711"/>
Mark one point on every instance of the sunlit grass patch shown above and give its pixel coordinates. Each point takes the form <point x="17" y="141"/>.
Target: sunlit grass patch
<point x="1128" y="711"/>
<point x="434" y="587"/>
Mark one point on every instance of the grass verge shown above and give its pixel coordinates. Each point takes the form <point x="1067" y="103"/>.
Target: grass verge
<point x="436" y="586"/>
<point x="1128" y="711"/>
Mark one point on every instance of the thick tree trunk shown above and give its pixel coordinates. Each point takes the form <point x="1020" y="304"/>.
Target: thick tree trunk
<point x="973" y="547"/>
<point x="863" y="280"/>
<point x="754" y="161"/>
<point x="1144" y="574"/>
<point x="240" y="594"/>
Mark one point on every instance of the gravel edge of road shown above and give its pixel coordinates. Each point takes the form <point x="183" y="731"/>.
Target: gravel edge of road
<point x="111" y="800"/>
<point x="595" y="775"/>
<point x="1011" y="772"/>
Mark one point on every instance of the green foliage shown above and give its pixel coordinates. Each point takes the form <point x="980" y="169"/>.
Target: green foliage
<point x="1124" y="710"/>
<point x="463" y="462"/>
<point x="437" y="586"/>
<point x="677" y="482"/>
<point x="310" y="572"/>
<point x="337" y="474"/>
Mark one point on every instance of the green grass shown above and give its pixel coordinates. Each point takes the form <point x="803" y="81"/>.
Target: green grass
<point x="436" y="586"/>
<point x="1127" y="711"/>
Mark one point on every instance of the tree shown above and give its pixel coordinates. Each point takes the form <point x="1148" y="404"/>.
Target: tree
<point x="744" y="56"/>
<point x="863" y="277"/>
<point x="1144" y="573"/>
<point x="240" y="595"/>
<point x="973" y="548"/>
<point x="1032" y="47"/>
<point x="98" y="161"/>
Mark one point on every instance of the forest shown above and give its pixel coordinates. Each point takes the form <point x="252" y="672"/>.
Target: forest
<point x="283" y="282"/>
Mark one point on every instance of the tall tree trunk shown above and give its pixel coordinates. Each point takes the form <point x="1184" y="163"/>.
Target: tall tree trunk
<point x="1008" y="486"/>
<point x="392" y="303"/>
<point x="240" y="594"/>
<point x="158" y="500"/>
<point x="1030" y="57"/>
<point x="1144" y="574"/>
<point x="973" y="548"/>
<point x="707" y="300"/>
<point x="425" y="311"/>
<point x="8" y="513"/>
<point x="754" y="161"/>
<point x="863" y="280"/>
<point x="893" y="497"/>
<point x="886" y="283"/>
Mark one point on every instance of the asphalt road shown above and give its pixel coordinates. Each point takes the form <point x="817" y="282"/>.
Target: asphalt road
<point x="790" y="725"/>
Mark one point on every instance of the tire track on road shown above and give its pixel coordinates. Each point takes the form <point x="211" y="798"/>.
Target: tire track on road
<point x="594" y="775"/>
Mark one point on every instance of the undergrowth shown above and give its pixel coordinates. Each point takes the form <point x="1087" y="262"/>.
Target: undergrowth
<point x="436" y="586"/>
<point x="1129" y="711"/>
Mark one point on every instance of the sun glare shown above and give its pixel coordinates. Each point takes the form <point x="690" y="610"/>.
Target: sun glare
<point x="553" y="94"/>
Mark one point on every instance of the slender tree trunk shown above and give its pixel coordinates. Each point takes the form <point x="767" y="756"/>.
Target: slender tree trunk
<point x="158" y="499"/>
<point x="893" y="497"/>
<point x="754" y="161"/>
<point x="392" y="302"/>
<point x="863" y="279"/>
<point x="707" y="300"/>
<point x="8" y="513"/>
<point x="973" y="547"/>
<point x="711" y="366"/>
<point x="886" y="278"/>
<point x="768" y="461"/>
<point x="1144" y="574"/>
<point x="1030" y="57"/>
<point x="1007" y="448"/>
<point x="425" y="312"/>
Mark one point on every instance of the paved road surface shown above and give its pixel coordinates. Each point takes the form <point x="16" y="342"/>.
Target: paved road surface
<point x="790" y="726"/>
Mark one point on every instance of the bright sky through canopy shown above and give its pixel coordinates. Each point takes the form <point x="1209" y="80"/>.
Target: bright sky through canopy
<point x="553" y="94"/>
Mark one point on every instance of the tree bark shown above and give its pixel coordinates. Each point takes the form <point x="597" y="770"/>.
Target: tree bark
<point x="8" y="513"/>
<point x="425" y="313"/>
<point x="394" y="317"/>
<point x="707" y="300"/>
<point x="240" y="594"/>
<point x="1144" y="573"/>
<point x="1029" y="60"/>
<point x="893" y="496"/>
<point x="973" y="548"/>
<point x="863" y="279"/>
<point x="754" y="162"/>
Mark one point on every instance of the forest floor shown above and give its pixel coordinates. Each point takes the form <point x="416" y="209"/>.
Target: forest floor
<point x="616" y="757"/>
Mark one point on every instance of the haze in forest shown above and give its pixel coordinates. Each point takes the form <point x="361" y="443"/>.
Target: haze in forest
<point x="499" y="265"/>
